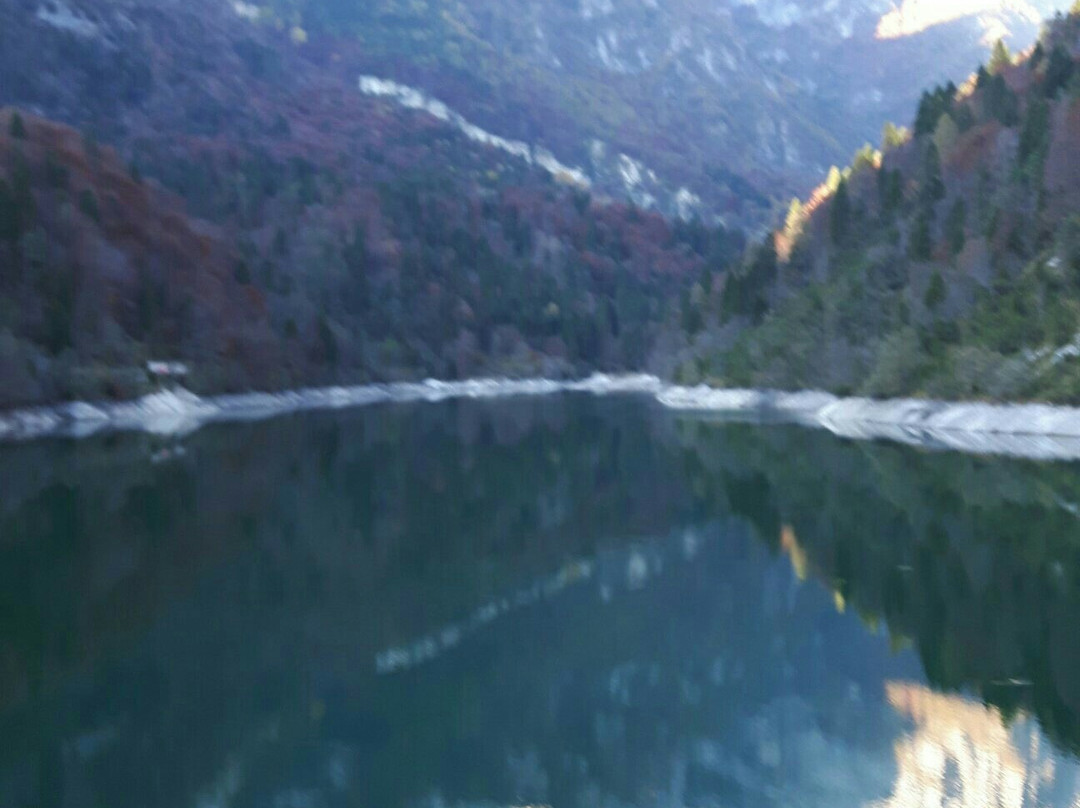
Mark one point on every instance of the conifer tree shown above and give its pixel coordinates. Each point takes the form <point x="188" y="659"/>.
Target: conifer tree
<point x="890" y="190"/>
<point x="1000" y="58"/>
<point x="1037" y="56"/>
<point x="935" y="292"/>
<point x="932" y="185"/>
<point x="1035" y="134"/>
<point x="840" y="215"/>
<point x="9" y="214"/>
<point x="920" y="243"/>
<point x="18" y="128"/>
<point x="926" y="117"/>
<point x="1059" y="71"/>
<point x="954" y="227"/>
<point x="1000" y="102"/>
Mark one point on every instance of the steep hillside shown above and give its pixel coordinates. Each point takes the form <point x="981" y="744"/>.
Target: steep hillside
<point x="711" y="108"/>
<point x="411" y="189"/>
<point x="372" y="240"/>
<point x="733" y="103"/>
<point x="948" y="266"/>
<point x="413" y="257"/>
<point x="97" y="268"/>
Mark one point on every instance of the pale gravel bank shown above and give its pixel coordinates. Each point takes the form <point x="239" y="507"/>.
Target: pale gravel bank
<point x="179" y="412"/>
<point x="1035" y="431"/>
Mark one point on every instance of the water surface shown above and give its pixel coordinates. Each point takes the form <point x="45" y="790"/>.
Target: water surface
<point x="568" y="601"/>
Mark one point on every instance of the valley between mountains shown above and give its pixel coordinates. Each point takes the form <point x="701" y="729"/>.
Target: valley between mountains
<point x="305" y="192"/>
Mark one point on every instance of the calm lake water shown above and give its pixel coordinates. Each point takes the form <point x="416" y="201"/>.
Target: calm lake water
<point x="567" y="601"/>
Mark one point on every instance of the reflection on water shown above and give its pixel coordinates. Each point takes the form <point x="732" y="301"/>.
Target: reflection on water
<point x="568" y="601"/>
<point x="963" y="754"/>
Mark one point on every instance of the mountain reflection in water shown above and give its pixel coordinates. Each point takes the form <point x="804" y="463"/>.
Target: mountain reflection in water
<point x="963" y="754"/>
<point x="568" y="602"/>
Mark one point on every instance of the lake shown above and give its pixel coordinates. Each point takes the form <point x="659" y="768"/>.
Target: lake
<point x="563" y="601"/>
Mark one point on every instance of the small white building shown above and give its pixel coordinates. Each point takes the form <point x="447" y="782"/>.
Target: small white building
<point x="161" y="371"/>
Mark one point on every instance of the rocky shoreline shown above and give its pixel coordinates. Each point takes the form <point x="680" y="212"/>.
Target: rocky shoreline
<point x="1034" y="431"/>
<point x="178" y="411"/>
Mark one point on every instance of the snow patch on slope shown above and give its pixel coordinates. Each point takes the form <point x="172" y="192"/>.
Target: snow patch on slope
<point x="246" y="11"/>
<point x="596" y="8"/>
<point x="687" y="204"/>
<point x="607" y="50"/>
<point x="412" y="98"/>
<point x="775" y="14"/>
<point x="639" y="183"/>
<point x="65" y="18"/>
<point x="915" y="16"/>
<point x="636" y="179"/>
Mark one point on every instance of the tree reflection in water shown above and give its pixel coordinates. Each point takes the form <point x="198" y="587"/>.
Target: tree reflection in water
<point x="572" y="602"/>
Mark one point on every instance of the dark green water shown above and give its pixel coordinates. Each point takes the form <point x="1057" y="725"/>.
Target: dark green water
<point x="567" y="601"/>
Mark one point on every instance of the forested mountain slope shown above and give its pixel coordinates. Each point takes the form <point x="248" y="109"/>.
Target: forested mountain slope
<point x="259" y="189"/>
<point x="720" y="108"/>
<point x="723" y="106"/>
<point x="352" y="239"/>
<point x="380" y="266"/>
<point x="946" y="266"/>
